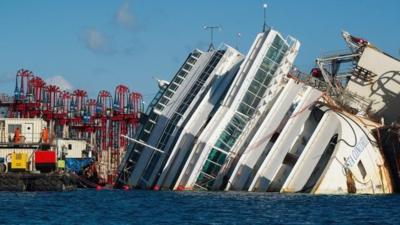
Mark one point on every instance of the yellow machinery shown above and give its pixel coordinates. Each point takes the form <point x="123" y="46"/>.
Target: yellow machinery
<point x="61" y="164"/>
<point x="19" y="161"/>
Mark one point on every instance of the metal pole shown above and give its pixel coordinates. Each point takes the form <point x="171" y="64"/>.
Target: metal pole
<point x="142" y="143"/>
<point x="211" y="28"/>
<point x="265" y="23"/>
<point x="238" y="40"/>
<point x="212" y="36"/>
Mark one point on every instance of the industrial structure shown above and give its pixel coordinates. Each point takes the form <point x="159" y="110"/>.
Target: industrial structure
<point x="74" y="116"/>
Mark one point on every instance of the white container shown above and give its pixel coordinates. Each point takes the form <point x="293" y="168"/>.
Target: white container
<point x="71" y="148"/>
<point x="31" y="129"/>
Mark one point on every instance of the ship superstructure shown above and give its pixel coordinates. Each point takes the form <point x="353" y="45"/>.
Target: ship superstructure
<point x="177" y="103"/>
<point x="258" y="79"/>
<point x="269" y="127"/>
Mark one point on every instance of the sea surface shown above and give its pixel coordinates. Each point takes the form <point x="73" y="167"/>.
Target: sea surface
<point x="150" y="207"/>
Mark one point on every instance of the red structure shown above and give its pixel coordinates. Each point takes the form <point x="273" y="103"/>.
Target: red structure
<point x="101" y="121"/>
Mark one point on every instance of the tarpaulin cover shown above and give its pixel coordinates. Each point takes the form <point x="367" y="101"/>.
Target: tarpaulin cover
<point x="76" y="165"/>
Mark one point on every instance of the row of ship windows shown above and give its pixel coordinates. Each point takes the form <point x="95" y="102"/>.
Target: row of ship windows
<point x="178" y="114"/>
<point x="247" y="107"/>
<point x="186" y="102"/>
<point x="177" y="81"/>
<point x="153" y="117"/>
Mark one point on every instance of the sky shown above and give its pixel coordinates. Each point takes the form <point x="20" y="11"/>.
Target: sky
<point x="97" y="45"/>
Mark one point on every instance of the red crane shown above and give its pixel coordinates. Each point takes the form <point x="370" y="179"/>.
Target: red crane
<point x="21" y="84"/>
<point x="100" y="121"/>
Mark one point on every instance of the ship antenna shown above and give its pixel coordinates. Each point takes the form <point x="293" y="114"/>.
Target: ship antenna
<point x="238" y="36"/>
<point x="212" y="28"/>
<point x="265" y="20"/>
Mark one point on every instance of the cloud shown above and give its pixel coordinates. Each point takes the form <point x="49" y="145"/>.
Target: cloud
<point x="96" y="41"/>
<point x="61" y="82"/>
<point x="124" y="16"/>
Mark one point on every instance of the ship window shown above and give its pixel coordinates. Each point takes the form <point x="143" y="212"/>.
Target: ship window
<point x="255" y="87"/>
<point x="285" y="48"/>
<point x="164" y="101"/>
<point x="159" y="107"/>
<point x="217" y="156"/>
<point x="144" y="136"/>
<point x="361" y="167"/>
<point x="148" y="127"/>
<point x="278" y="42"/>
<point x="196" y="54"/>
<point x="220" y="144"/>
<point x="248" y="98"/>
<point x="246" y="110"/>
<point x="153" y="117"/>
<point x="256" y="102"/>
<point x="232" y="130"/>
<point x="267" y="81"/>
<point x="280" y="56"/>
<point x="260" y="76"/>
<point x="267" y="64"/>
<point x="192" y="60"/>
<point x="12" y="127"/>
<point x="204" y="181"/>
<point x="169" y="93"/>
<point x="238" y="122"/>
<point x="173" y="87"/>
<point x="227" y="138"/>
<point x="262" y="90"/>
<point x="182" y="73"/>
<point x="274" y="68"/>
<point x="272" y="54"/>
<point x="211" y="168"/>
<point x="178" y="80"/>
<point x="69" y="146"/>
<point x="187" y="67"/>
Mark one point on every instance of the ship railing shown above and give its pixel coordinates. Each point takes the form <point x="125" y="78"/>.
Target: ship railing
<point x="25" y="138"/>
<point x="342" y="96"/>
<point x="311" y="81"/>
<point x="335" y="54"/>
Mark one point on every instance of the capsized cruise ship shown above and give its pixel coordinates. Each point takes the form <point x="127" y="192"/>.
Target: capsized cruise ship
<point x="201" y="80"/>
<point x="256" y="123"/>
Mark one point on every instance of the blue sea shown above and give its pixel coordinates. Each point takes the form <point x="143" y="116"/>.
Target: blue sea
<point x="151" y="207"/>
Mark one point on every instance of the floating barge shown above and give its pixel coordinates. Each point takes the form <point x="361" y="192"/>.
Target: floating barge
<point x="29" y="162"/>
